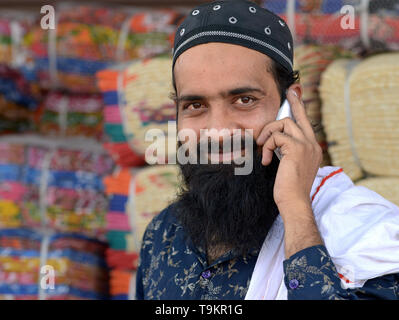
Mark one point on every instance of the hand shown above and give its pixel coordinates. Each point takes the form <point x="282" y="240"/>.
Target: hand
<point x="301" y="155"/>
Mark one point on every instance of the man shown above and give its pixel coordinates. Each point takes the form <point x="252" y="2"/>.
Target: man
<point x="282" y="231"/>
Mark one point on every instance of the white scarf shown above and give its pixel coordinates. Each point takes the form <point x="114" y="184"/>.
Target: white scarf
<point x="358" y="226"/>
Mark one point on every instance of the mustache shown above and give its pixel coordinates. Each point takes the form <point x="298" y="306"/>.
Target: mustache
<point x="220" y="146"/>
<point x="211" y="146"/>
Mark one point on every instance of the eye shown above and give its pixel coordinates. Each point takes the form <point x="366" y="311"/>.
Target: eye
<point x="246" y="100"/>
<point x="193" y="106"/>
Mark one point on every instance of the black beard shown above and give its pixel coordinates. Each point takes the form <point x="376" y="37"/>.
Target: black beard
<point x="217" y="208"/>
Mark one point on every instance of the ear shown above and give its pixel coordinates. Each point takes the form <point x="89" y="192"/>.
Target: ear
<point x="297" y="88"/>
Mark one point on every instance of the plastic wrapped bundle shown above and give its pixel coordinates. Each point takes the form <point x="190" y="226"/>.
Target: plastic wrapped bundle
<point x="73" y="265"/>
<point x="154" y="188"/>
<point x="360" y="114"/>
<point x="54" y="185"/>
<point x="388" y="187"/>
<point x="68" y="115"/>
<point x="118" y="147"/>
<point x="91" y="38"/>
<point x="311" y="61"/>
<point x="146" y="86"/>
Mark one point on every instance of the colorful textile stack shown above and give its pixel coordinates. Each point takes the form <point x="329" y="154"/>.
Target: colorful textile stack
<point x="144" y="88"/>
<point x="118" y="225"/>
<point x="322" y="22"/>
<point x="311" y="61"/>
<point x="360" y="115"/>
<point x="53" y="185"/>
<point x="118" y="147"/>
<point x="69" y="115"/>
<point x="90" y="38"/>
<point x="136" y="196"/>
<point x="12" y="187"/>
<point x="76" y="262"/>
<point x="18" y="101"/>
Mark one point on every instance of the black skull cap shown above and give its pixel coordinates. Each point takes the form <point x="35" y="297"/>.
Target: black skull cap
<point x="239" y="22"/>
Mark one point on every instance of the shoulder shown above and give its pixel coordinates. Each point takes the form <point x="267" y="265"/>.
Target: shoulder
<point x="333" y="190"/>
<point x="161" y="223"/>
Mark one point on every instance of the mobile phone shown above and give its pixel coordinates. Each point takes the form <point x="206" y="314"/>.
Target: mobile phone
<point x="284" y="112"/>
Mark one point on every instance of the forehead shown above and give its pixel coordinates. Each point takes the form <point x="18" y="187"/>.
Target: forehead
<point x="216" y="63"/>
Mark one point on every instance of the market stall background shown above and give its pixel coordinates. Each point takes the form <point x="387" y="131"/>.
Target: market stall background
<point x="75" y="104"/>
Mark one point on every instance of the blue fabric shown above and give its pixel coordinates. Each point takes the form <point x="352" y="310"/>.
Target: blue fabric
<point x="11" y="172"/>
<point x="327" y="6"/>
<point x="110" y="98"/>
<point x="172" y="268"/>
<point x="118" y="203"/>
<point x="120" y="297"/>
<point x="11" y="92"/>
<point x="66" y="179"/>
<point x="73" y="65"/>
<point x="32" y="289"/>
<point x="310" y="274"/>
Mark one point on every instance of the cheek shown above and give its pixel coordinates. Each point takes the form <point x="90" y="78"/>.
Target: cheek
<point x="190" y="127"/>
<point x="257" y="120"/>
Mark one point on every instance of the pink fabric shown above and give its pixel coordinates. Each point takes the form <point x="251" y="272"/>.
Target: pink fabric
<point x="13" y="191"/>
<point x="112" y="115"/>
<point x="118" y="221"/>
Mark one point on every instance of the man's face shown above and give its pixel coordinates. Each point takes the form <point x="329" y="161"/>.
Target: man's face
<point x="222" y="86"/>
<point x="225" y="86"/>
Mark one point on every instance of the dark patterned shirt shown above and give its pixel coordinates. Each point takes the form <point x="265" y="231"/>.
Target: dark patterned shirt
<point x="171" y="267"/>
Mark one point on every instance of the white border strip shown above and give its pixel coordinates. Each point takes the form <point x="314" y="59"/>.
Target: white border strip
<point x="232" y="35"/>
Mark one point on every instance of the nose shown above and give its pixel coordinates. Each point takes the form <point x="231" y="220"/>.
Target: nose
<point x="221" y="118"/>
<point x="220" y="122"/>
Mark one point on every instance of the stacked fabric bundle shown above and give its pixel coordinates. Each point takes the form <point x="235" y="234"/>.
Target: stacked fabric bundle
<point x="145" y="88"/>
<point x="18" y="100"/>
<point x="322" y="22"/>
<point x="118" y="147"/>
<point x="120" y="254"/>
<point x="76" y="262"/>
<point x="311" y="61"/>
<point x="90" y="38"/>
<point x="360" y="115"/>
<point x="136" y="196"/>
<point x="53" y="185"/>
<point x="68" y="115"/>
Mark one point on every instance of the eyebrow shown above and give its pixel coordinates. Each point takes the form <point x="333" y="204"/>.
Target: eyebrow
<point x="233" y="92"/>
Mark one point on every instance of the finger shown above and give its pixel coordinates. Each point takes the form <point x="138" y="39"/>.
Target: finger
<point x="299" y="112"/>
<point x="285" y="125"/>
<point x="276" y="140"/>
